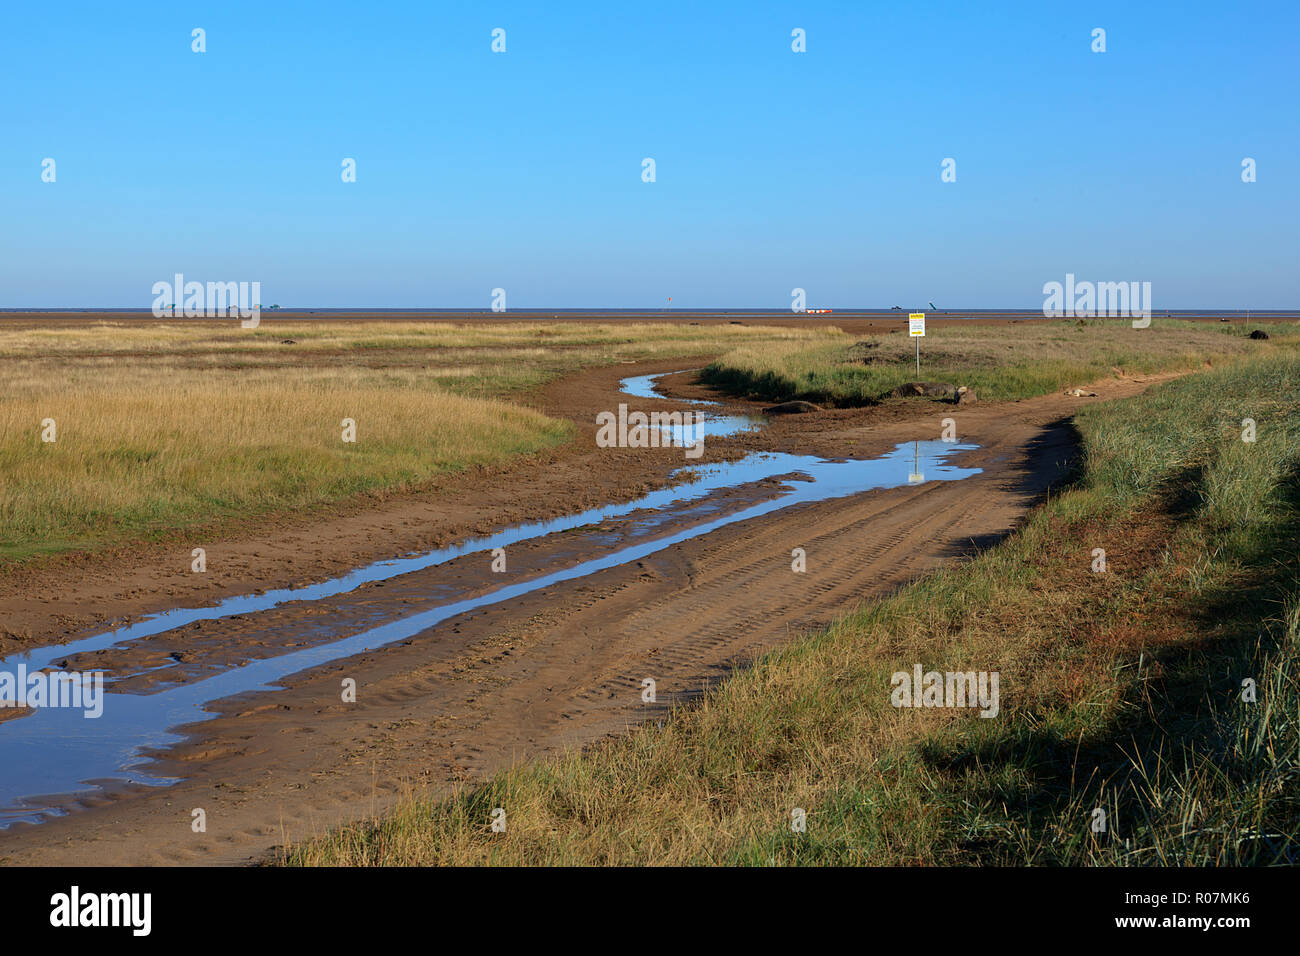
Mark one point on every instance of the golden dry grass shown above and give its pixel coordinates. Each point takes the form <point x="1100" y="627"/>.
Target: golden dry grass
<point x="164" y="427"/>
<point x="132" y="462"/>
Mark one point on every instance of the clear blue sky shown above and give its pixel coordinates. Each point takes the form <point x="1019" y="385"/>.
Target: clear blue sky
<point x="522" y="170"/>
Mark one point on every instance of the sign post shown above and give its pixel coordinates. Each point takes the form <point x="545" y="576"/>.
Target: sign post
<point x="916" y="329"/>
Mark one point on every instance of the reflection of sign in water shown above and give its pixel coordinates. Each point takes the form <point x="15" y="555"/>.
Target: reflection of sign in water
<point x="915" y="478"/>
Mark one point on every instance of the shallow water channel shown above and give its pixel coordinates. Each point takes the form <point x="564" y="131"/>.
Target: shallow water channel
<point x="52" y="751"/>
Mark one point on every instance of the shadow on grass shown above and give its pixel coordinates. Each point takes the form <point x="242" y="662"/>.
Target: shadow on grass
<point x="1044" y="782"/>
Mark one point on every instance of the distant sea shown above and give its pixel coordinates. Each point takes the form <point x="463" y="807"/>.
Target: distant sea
<point x="1033" y="313"/>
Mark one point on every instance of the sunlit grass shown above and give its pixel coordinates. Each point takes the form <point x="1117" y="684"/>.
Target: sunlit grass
<point x="134" y="463"/>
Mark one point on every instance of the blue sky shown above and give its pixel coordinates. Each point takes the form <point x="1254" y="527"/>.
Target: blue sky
<point x="774" y="169"/>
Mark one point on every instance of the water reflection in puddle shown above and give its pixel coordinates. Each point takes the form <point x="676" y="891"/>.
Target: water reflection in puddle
<point x="712" y="424"/>
<point x="58" y="751"/>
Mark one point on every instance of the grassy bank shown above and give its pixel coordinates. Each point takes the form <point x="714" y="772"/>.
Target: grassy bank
<point x="129" y="463"/>
<point x="1120" y="691"/>
<point x="169" y="427"/>
<point x="1032" y="358"/>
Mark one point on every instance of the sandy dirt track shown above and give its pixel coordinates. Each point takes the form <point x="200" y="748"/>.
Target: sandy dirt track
<point x="555" y="668"/>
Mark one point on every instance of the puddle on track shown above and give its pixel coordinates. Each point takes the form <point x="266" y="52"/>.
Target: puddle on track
<point x="713" y="425"/>
<point x="57" y="751"/>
